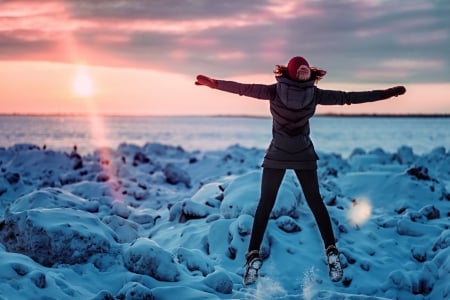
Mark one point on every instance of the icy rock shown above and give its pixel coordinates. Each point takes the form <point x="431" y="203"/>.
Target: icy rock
<point x="400" y="280"/>
<point x="145" y="257"/>
<point x="140" y="158"/>
<point x="12" y="178"/>
<point x="220" y="281"/>
<point x="194" y="260"/>
<point x="188" y="210"/>
<point x="409" y="228"/>
<point x="244" y="225"/>
<point x="192" y="210"/>
<point x="426" y="280"/>
<point x="365" y="265"/>
<point x="443" y="241"/>
<point x="357" y="151"/>
<point x="134" y="291"/>
<point x="39" y="279"/>
<point x="419" y="253"/>
<point x="209" y="194"/>
<point x="420" y="173"/>
<point x="405" y="155"/>
<point x="51" y="198"/>
<point x="69" y="178"/>
<point x="287" y="224"/>
<point x="241" y="196"/>
<point x="430" y="212"/>
<point x="140" y="194"/>
<point x="126" y="231"/>
<point x="175" y="211"/>
<point x="120" y="208"/>
<point x="175" y="175"/>
<point x="56" y="235"/>
<point x="332" y="165"/>
<point x="144" y="216"/>
<point x="102" y="177"/>
<point x="165" y="150"/>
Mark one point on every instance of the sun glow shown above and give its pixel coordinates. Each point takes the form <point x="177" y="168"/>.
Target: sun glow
<point x="83" y="85"/>
<point x="359" y="212"/>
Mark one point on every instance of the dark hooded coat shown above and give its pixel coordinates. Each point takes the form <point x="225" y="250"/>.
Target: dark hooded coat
<point x="292" y="104"/>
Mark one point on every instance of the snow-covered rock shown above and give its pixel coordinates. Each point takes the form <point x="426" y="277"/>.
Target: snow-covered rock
<point x="146" y="257"/>
<point x="53" y="236"/>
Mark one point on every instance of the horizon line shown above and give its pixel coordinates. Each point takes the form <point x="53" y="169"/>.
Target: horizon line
<point x="354" y="115"/>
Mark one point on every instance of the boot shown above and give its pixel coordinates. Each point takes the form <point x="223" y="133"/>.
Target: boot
<point x="334" y="264"/>
<point x="252" y="267"/>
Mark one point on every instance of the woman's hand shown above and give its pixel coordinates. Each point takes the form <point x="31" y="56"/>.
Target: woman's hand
<point x="393" y="92"/>
<point x="205" y="80"/>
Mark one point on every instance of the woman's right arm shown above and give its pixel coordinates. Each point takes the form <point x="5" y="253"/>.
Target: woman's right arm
<point x="330" y="97"/>
<point x="259" y="91"/>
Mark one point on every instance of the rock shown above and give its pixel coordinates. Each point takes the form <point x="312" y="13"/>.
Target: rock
<point x="145" y="257"/>
<point x="56" y="236"/>
<point x="220" y="282"/>
<point x="175" y="175"/>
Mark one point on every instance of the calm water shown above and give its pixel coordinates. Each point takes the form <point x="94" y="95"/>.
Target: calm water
<point x="330" y="134"/>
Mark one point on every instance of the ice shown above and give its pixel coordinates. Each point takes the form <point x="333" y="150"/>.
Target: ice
<point x="159" y="222"/>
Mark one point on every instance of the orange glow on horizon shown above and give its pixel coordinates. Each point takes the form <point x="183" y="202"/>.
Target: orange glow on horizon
<point x="47" y="88"/>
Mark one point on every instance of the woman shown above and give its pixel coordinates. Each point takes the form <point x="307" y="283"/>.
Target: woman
<point x="293" y="100"/>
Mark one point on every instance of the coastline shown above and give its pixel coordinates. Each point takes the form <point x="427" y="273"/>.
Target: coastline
<point x="445" y="115"/>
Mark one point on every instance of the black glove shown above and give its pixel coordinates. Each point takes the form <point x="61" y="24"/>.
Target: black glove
<point x="205" y="80"/>
<point x="391" y="92"/>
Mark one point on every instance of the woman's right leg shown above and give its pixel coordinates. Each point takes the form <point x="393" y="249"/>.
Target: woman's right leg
<point x="270" y="184"/>
<point x="310" y="186"/>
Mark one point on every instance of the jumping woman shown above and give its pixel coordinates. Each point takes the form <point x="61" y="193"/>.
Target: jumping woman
<point x="293" y="100"/>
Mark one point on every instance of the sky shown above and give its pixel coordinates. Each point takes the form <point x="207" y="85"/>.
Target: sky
<point x="141" y="57"/>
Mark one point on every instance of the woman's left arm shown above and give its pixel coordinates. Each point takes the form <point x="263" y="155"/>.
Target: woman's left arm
<point x="329" y="97"/>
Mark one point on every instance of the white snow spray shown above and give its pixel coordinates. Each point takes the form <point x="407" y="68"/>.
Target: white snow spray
<point x="359" y="212"/>
<point x="268" y="288"/>
<point x="308" y="284"/>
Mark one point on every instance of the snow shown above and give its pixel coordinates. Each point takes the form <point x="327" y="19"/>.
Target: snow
<point x="159" y="222"/>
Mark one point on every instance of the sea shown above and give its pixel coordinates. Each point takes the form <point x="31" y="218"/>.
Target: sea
<point x="330" y="134"/>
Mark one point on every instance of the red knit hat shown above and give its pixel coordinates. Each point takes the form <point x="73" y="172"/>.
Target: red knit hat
<point x="295" y="69"/>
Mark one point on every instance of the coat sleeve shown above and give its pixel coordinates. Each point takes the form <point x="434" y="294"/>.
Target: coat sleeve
<point x="259" y="91"/>
<point x="330" y="97"/>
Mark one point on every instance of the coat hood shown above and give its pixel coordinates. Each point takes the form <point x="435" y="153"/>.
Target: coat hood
<point x="295" y="94"/>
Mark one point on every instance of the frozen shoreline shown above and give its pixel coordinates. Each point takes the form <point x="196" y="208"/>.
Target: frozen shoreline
<point x="160" y="221"/>
<point x="329" y="134"/>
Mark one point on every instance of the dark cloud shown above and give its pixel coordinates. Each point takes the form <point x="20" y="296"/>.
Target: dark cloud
<point x="360" y="41"/>
<point x="161" y="9"/>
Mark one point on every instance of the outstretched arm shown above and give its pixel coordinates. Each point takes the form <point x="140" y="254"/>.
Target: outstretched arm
<point x="260" y="91"/>
<point x="328" y="97"/>
<point x="205" y="80"/>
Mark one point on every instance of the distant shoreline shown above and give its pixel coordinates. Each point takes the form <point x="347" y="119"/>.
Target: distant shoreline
<point x="230" y="116"/>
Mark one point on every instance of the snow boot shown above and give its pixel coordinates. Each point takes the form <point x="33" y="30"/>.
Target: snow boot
<point x="334" y="264"/>
<point x="254" y="263"/>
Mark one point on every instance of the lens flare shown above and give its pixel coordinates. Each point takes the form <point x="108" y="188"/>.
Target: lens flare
<point x="359" y="211"/>
<point x="83" y="85"/>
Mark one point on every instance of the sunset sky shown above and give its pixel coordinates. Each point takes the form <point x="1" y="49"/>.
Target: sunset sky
<point x="141" y="57"/>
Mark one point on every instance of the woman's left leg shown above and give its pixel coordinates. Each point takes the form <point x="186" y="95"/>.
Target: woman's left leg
<point x="310" y="185"/>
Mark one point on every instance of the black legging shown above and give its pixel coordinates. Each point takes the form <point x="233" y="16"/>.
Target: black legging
<point x="270" y="184"/>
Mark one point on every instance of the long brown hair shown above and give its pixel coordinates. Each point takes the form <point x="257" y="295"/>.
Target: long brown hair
<point x="316" y="73"/>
